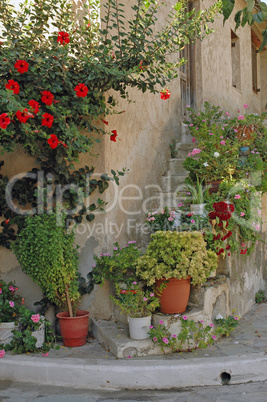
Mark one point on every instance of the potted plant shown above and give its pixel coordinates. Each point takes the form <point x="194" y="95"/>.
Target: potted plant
<point x="118" y="268"/>
<point x="10" y="303"/>
<point x="161" y="220"/>
<point x="137" y="305"/>
<point x="47" y="253"/>
<point x="198" y="194"/>
<point x="176" y="259"/>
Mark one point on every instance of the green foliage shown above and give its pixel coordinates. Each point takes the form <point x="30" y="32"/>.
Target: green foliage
<point x="10" y="302"/>
<point x="135" y="302"/>
<point x="197" y="192"/>
<point x="176" y="255"/>
<point x="254" y="11"/>
<point x="46" y="252"/>
<point x="117" y="268"/>
<point x="173" y="149"/>
<point x="225" y="325"/>
<point x="160" y="220"/>
<point x="260" y="296"/>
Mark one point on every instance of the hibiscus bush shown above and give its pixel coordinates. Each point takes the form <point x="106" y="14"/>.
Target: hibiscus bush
<point x="58" y="64"/>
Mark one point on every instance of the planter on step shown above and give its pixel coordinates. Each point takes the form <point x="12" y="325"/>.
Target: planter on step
<point x="174" y="298"/>
<point x="213" y="186"/>
<point x="139" y="327"/>
<point x="6" y="334"/>
<point x="198" y="209"/>
<point x="74" y="330"/>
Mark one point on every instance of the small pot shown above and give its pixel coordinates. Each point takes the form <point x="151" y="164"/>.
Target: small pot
<point x="139" y="327"/>
<point x="198" y="209"/>
<point x="6" y="334"/>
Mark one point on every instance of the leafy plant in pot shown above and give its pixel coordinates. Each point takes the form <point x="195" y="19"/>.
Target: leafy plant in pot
<point x="176" y="259"/>
<point x="47" y="253"/>
<point x="137" y="305"/>
<point x="10" y="303"/>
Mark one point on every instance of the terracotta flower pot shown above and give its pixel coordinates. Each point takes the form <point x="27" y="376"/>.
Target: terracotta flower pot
<point x="74" y="330"/>
<point x="214" y="186"/>
<point x="175" y="296"/>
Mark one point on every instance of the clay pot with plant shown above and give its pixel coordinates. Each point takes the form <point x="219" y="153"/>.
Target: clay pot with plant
<point x="47" y="253"/>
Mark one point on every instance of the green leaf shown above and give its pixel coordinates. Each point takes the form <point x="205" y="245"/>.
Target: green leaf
<point x="90" y="217"/>
<point x="227" y="8"/>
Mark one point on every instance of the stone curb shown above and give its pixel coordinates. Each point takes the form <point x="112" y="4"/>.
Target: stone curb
<point x="134" y="374"/>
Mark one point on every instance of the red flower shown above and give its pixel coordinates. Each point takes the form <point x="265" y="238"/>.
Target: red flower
<point x="81" y="90"/>
<point x="13" y="86"/>
<point x="47" y="120"/>
<point x="53" y="141"/>
<point x="63" y="38"/>
<point x="47" y="98"/>
<point x="220" y="206"/>
<point x="113" y="136"/>
<point x="165" y="94"/>
<point x="7" y="221"/>
<point x="244" y="251"/>
<point x="23" y="116"/>
<point x="105" y="122"/>
<point x="231" y="208"/>
<point x="4" y="120"/>
<point x="63" y="143"/>
<point x="22" y="66"/>
<point x="220" y="251"/>
<point x="228" y="247"/>
<point x="34" y="105"/>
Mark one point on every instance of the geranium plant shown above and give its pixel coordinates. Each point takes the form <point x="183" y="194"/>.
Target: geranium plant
<point x="58" y="66"/>
<point x="160" y="220"/>
<point x="10" y="302"/>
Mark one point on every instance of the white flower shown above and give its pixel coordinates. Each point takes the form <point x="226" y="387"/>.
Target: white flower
<point x="205" y="164"/>
<point x="216" y="154"/>
<point x="219" y="317"/>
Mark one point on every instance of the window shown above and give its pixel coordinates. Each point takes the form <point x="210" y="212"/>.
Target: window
<point x="235" y="56"/>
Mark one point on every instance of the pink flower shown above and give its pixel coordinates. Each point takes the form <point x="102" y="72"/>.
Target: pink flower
<point x="180" y="205"/>
<point x="237" y="197"/>
<point x="144" y="298"/>
<point x="222" y="142"/>
<point x="245" y="106"/>
<point x="2" y="353"/>
<point x="151" y="294"/>
<point x="174" y="336"/>
<point x="242" y="214"/>
<point x="155" y="339"/>
<point x="257" y="227"/>
<point x="165" y="340"/>
<point x="202" y="322"/>
<point x="35" y="317"/>
<point x="194" y="139"/>
<point x="150" y="326"/>
<point x="227" y="114"/>
<point x="210" y="133"/>
<point x="184" y="317"/>
<point x="45" y="354"/>
<point x="236" y="318"/>
<point x="0" y="291"/>
<point x="11" y="303"/>
<point x="241" y="117"/>
<point x="161" y="322"/>
<point x="214" y="336"/>
<point x="134" y="283"/>
<point x="211" y="325"/>
<point x="170" y="219"/>
<point x="192" y="221"/>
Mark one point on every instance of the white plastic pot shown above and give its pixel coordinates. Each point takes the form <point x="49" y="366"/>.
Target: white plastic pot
<point x="139" y="327"/>
<point x="198" y="209"/>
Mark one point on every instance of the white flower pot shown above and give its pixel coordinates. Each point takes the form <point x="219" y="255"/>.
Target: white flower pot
<point x="139" y="327"/>
<point x="6" y="329"/>
<point x="198" y="209"/>
<point x="39" y="334"/>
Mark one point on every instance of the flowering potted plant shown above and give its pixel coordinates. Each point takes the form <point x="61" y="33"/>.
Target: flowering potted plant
<point x="47" y="253"/>
<point x="160" y="220"/>
<point x="137" y="305"/>
<point x="118" y="267"/>
<point x="176" y="259"/>
<point x="10" y="304"/>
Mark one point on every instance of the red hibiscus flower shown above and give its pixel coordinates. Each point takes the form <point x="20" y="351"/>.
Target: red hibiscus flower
<point x="81" y="90"/>
<point x="105" y="122"/>
<point x="165" y="94"/>
<point x="22" y="66"/>
<point x="13" y="86"/>
<point x="53" y="141"/>
<point x="4" y="120"/>
<point x="47" y="98"/>
<point x="63" y="38"/>
<point x="23" y="116"/>
<point x="34" y="105"/>
<point x="113" y="136"/>
<point x="47" y="120"/>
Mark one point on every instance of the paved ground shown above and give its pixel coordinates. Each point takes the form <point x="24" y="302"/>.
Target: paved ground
<point x="242" y="358"/>
<point x="19" y="392"/>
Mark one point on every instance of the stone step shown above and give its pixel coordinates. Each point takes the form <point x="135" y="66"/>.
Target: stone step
<point x="182" y="150"/>
<point x="164" y="199"/>
<point x="184" y="135"/>
<point x="173" y="184"/>
<point x="176" y="167"/>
